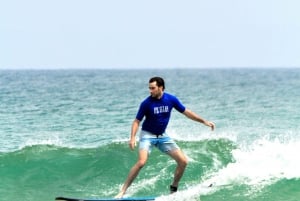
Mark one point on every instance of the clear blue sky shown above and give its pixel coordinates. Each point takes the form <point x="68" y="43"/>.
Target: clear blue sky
<point x="157" y="34"/>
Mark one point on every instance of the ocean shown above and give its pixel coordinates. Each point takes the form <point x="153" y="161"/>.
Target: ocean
<point x="65" y="133"/>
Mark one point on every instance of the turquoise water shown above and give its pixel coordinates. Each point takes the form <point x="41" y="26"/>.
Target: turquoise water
<point x="65" y="133"/>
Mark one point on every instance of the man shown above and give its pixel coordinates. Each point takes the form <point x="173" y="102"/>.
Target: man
<point x="157" y="110"/>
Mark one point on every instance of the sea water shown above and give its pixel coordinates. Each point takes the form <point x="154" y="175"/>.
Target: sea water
<point x="65" y="133"/>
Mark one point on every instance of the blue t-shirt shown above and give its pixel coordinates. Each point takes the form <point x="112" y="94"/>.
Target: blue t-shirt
<point x="158" y="112"/>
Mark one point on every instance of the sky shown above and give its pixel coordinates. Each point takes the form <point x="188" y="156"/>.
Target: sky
<point x="63" y="34"/>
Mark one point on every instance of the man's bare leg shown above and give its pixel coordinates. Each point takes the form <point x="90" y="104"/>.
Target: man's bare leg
<point x="143" y="156"/>
<point x="182" y="162"/>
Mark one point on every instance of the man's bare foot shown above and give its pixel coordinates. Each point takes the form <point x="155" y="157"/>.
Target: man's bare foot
<point x="120" y="195"/>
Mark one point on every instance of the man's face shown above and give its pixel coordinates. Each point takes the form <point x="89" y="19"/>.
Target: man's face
<point x="154" y="90"/>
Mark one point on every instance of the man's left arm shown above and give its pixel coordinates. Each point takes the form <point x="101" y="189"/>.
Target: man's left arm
<point x="192" y="115"/>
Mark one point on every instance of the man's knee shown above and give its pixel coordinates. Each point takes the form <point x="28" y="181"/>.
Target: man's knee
<point x="140" y="164"/>
<point x="179" y="157"/>
<point x="184" y="162"/>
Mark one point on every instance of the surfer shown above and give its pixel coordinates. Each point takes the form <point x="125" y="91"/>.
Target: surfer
<point x="157" y="110"/>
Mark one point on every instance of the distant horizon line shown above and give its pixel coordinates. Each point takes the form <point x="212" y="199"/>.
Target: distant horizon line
<point x="150" y="68"/>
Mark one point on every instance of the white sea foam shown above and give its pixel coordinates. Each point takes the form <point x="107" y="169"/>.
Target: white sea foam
<point x="53" y="140"/>
<point x="263" y="163"/>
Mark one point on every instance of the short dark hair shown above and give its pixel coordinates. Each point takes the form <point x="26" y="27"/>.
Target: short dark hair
<point x="159" y="81"/>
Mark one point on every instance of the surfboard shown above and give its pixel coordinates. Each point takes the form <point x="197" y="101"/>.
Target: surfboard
<point x="107" y="199"/>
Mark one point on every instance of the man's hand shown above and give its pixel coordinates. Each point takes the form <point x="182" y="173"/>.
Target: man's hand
<point x="132" y="143"/>
<point x="210" y="124"/>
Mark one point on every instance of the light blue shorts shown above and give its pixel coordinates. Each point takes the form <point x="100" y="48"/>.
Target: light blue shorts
<point x="163" y="142"/>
